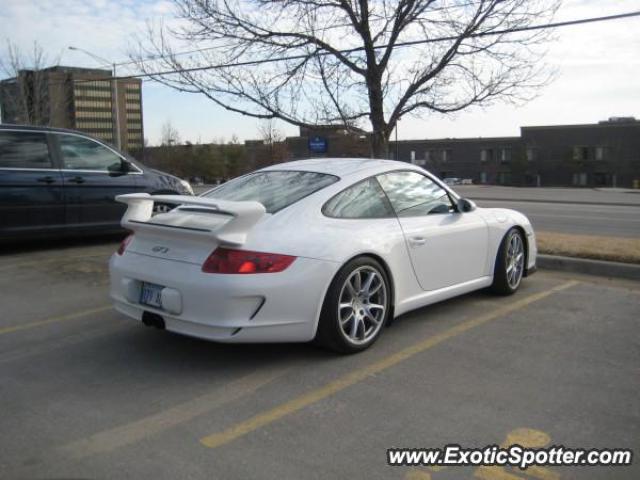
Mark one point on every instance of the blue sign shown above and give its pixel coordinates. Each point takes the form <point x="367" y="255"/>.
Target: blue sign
<point x="318" y="144"/>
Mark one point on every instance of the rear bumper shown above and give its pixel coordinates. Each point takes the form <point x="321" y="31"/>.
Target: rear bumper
<point x="272" y="307"/>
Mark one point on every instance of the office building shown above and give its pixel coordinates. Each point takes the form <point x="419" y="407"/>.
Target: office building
<point x="76" y="98"/>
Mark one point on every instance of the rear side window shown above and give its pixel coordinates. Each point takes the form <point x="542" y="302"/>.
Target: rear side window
<point x="24" y="150"/>
<point x="362" y="200"/>
<point x="273" y="189"/>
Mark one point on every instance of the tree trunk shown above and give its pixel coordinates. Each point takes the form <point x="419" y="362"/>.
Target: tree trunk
<point x="379" y="144"/>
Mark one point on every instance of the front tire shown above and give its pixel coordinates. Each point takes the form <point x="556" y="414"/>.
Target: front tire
<point x="509" y="267"/>
<point x="355" y="308"/>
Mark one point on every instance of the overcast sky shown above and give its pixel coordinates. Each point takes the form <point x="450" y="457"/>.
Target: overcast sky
<point x="598" y="69"/>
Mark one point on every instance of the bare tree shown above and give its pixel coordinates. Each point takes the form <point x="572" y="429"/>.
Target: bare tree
<point x="313" y="62"/>
<point x="169" y="135"/>
<point x="269" y="133"/>
<point x="273" y="149"/>
<point x="25" y="95"/>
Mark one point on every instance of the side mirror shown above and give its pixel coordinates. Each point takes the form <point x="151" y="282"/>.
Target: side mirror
<point x="465" y="205"/>
<point x="121" y="168"/>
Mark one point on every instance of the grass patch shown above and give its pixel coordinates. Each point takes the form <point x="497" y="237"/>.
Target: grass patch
<point x="613" y="249"/>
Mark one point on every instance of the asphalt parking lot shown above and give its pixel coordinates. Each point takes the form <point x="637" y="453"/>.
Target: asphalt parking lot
<point x="86" y="393"/>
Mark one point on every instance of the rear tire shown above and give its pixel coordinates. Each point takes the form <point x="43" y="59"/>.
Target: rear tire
<point x="355" y="308"/>
<point x="509" y="268"/>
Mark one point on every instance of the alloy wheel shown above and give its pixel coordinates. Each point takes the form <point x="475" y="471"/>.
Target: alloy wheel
<point x="362" y="305"/>
<point x="515" y="260"/>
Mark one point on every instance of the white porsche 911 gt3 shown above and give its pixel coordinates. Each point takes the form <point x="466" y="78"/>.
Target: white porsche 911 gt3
<point x="325" y="249"/>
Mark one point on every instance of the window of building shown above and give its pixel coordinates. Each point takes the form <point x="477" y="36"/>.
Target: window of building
<point x="80" y="153"/>
<point x="84" y="93"/>
<point x="504" y="178"/>
<point x="93" y="115"/>
<point x="580" y="179"/>
<point x="446" y="155"/>
<point x="24" y="150"/>
<point x="412" y="194"/>
<point x="97" y="104"/>
<point x="486" y="155"/>
<point x="581" y="153"/>
<point x="413" y="156"/>
<point x="363" y="200"/>
<point x="505" y="155"/>
<point x="599" y="153"/>
<point x="531" y="154"/>
<point x="483" y="177"/>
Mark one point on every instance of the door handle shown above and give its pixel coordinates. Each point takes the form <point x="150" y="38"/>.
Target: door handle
<point x="417" y="241"/>
<point x="77" y="179"/>
<point x="48" y="179"/>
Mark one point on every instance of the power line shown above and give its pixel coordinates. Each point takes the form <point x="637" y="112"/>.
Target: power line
<point x="324" y="29"/>
<point x="378" y="47"/>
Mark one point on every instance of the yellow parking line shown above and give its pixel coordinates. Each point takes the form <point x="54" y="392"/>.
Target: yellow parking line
<point x="109" y="440"/>
<point x="62" y="318"/>
<point x="265" y="418"/>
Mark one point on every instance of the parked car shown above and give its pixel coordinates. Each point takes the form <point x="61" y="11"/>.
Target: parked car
<point x="452" y="181"/>
<point x="56" y="181"/>
<point x="330" y="249"/>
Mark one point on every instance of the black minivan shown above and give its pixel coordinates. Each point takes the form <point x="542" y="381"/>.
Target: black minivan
<point x="56" y="181"/>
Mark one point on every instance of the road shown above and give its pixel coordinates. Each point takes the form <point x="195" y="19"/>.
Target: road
<point x="86" y="393"/>
<point x="576" y="218"/>
<point x="593" y="196"/>
<point x="607" y="212"/>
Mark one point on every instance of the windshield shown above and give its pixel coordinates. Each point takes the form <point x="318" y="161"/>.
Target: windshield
<point x="273" y="189"/>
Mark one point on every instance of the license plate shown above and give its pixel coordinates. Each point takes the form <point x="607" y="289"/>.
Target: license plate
<point x="151" y="295"/>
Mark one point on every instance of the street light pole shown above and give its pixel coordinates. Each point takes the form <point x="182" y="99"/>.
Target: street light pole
<point x="115" y="107"/>
<point x="397" y="121"/>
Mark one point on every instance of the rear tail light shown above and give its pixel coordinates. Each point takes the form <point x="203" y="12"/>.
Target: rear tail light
<point x="226" y="260"/>
<point x="124" y="244"/>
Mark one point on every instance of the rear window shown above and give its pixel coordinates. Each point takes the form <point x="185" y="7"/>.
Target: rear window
<point x="24" y="150"/>
<point x="273" y="189"/>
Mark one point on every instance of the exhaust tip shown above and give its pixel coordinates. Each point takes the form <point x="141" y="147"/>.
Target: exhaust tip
<point x="153" y="320"/>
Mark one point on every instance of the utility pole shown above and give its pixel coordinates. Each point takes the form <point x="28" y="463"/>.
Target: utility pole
<point x="397" y="122"/>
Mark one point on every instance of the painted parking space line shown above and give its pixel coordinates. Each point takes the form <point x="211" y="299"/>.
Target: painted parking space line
<point x="292" y="406"/>
<point x="123" y="435"/>
<point x="525" y="437"/>
<point x="58" y="319"/>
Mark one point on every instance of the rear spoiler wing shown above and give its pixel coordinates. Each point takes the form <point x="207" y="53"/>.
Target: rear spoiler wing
<point x="244" y="216"/>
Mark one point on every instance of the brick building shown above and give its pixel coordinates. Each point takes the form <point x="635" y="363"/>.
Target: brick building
<point x="606" y="154"/>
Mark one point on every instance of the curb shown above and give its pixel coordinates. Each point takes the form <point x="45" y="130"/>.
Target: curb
<point x="601" y="268"/>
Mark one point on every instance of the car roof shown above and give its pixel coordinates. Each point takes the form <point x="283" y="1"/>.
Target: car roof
<point x="39" y="128"/>
<point x="337" y="166"/>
